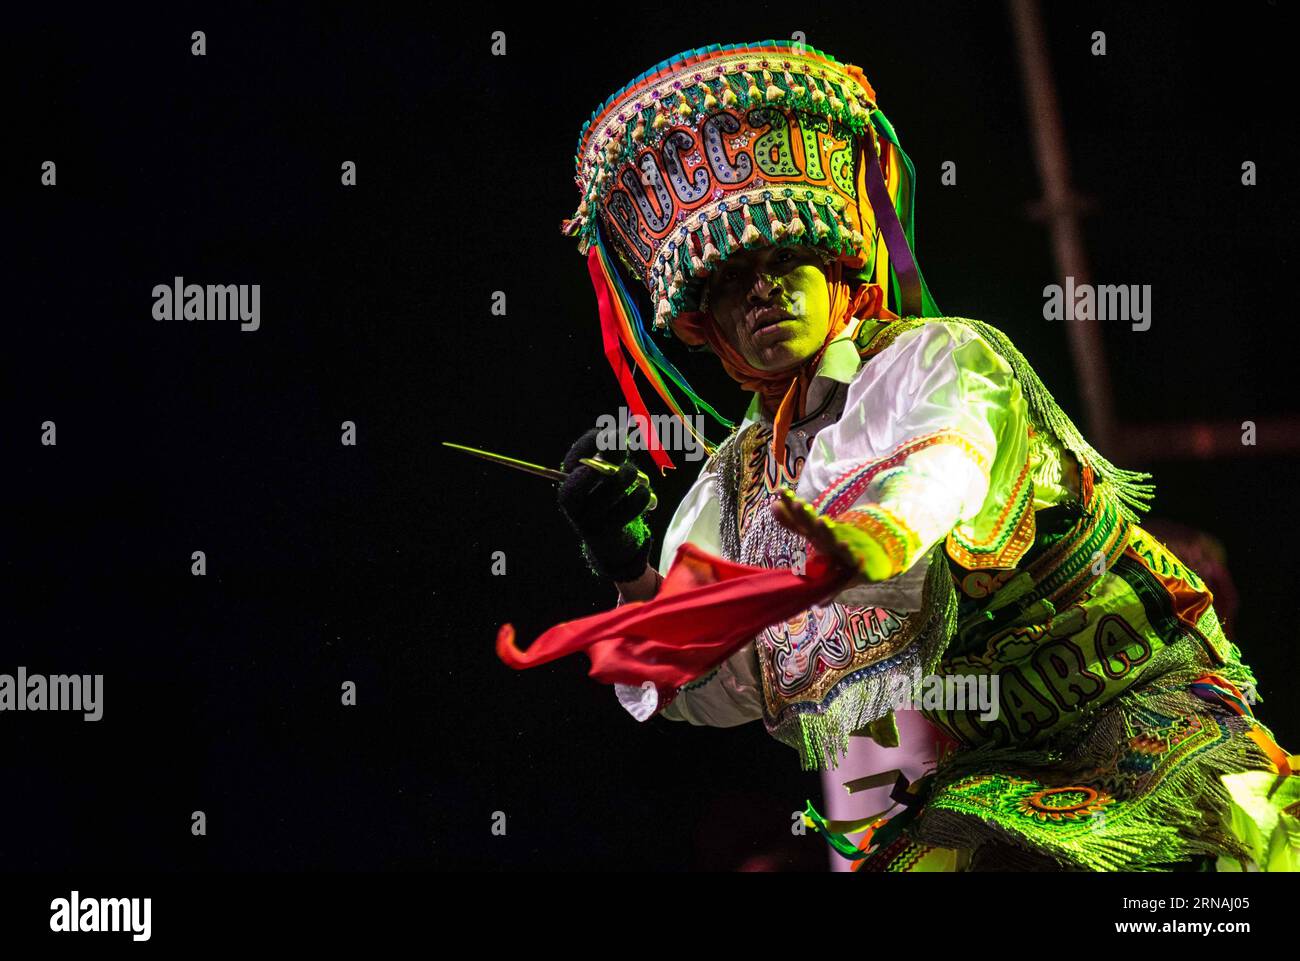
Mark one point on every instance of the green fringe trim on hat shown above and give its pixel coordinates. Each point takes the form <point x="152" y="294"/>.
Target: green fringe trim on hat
<point x="759" y="216"/>
<point x="718" y="231"/>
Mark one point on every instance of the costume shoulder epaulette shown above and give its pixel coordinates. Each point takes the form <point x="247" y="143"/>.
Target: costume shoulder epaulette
<point x="876" y="334"/>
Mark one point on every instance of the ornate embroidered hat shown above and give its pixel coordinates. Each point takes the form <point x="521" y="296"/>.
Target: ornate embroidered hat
<point x="733" y="147"/>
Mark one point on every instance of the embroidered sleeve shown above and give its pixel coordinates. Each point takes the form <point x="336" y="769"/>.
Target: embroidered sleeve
<point x="933" y="445"/>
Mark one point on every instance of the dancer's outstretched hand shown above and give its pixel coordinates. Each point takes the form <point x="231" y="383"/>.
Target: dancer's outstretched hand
<point x="845" y="543"/>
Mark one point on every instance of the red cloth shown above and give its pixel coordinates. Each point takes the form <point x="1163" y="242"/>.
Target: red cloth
<point x="707" y="608"/>
<point x="614" y="354"/>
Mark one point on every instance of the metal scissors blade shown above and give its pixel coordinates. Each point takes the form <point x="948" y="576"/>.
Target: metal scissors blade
<point x="556" y="475"/>
<point x="514" y="462"/>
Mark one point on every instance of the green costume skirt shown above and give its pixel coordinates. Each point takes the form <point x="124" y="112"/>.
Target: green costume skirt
<point x="1126" y="741"/>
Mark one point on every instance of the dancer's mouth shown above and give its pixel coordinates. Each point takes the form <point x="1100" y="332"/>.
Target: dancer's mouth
<point x="767" y="317"/>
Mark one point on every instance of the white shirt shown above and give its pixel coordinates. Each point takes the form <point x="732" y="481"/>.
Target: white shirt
<point x="933" y="428"/>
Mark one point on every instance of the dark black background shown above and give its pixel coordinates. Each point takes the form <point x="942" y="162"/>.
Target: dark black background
<point x="372" y="563"/>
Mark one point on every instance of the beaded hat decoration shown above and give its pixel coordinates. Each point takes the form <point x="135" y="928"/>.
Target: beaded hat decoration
<point x="727" y="148"/>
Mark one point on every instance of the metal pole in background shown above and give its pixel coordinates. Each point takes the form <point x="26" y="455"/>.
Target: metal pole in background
<point x="1060" y="208"/>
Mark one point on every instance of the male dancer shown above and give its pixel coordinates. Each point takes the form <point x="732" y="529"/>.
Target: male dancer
<point x="903" y="499"/>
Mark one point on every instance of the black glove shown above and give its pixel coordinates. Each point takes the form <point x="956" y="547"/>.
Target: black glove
<point x="607" y="512"/>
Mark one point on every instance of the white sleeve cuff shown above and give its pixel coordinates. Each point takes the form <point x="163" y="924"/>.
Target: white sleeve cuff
<point x="641" y="702"/>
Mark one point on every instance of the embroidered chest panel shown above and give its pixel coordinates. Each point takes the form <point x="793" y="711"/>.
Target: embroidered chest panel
<point x="811" y="659"/>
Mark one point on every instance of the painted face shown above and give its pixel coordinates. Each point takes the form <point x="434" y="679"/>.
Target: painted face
<point x="772" y="304"/>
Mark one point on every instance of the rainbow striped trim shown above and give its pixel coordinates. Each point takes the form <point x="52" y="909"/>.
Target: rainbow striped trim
<point x="844" y="491"/>
<point x="887" y="529"/>
<point x="1010" y="537"/>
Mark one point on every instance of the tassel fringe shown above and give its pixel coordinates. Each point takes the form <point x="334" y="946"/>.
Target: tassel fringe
<point x="1129" y="486"/>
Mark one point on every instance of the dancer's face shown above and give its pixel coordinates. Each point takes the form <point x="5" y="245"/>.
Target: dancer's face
<point x="772" y="304"/>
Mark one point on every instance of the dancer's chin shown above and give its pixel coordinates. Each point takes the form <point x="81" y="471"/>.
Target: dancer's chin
<point x="782" y="354"/>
